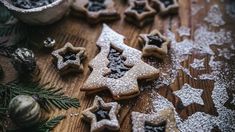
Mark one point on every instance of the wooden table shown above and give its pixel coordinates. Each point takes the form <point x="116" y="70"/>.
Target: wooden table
<point x="79" y="33"/>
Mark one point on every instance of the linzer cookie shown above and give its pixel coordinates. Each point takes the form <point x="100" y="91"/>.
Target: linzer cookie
<point x="102" y="115"/>
<point x="154" y="44"/>
<point x="139" y="12"/>
<point x="69" y="58"/>
<point x="166" y="6"/>
<point x="95" y="10"/>
<point x="163" y="121"/>
<point x="117" y="67"/>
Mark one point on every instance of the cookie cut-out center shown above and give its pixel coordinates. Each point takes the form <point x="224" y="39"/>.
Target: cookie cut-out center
<point x="101" y="114"/>
<point x="167" y="2"/>
<point x="69" y="55"/>
<point x="95" y="5"/>
<point x="155" y="40"/>
<point x="116" y="65"/>
<point x="140" y="7"/>
<point x="150" y="127"/>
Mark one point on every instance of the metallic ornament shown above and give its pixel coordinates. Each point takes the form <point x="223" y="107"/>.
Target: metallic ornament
<point x="24" y="61"/>
<point x="24" y="111"/>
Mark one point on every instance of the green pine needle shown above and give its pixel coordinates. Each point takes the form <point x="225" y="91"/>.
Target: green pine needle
<point x="45" y="126"/>
<point x="48" y="97"/>
<point x="49" y="125"/>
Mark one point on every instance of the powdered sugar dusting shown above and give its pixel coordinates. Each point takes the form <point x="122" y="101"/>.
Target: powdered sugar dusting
<point x="214" y="16"/>
<point x="201" y="44"/>
<point x="198" y="64"/>
<point x="232" y="46"/>
<point x="139" y="120"/>
<point x="198" y="122"/>
<point x="226" y="53"/>
<point x="233" y="101"/>
<point x="189" y="95"/>
<point x="184" y="31"/>
<point x="195" y="8"/>
<point x="225" y="119"/>
<point x="207" y="77"/>
<point x="203" y="39"/>
<point x="161" y="103"/>
<point x="127" y="85"/>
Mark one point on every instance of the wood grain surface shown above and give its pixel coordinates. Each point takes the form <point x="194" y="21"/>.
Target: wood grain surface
<point x="78" y="32"/>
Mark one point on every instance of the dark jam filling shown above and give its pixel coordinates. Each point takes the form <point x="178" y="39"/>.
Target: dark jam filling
<point x="95" y="5"/>
<point x="29" y="4"/>
<point x="69" y="55"/>
<point x="116" y="65"/>
<point x="139" y="7"/>
<point x="150" y="127"/>
<point x="101" y="114"/>
<point x="155" y="40"/>
<point x="167" y="2"/>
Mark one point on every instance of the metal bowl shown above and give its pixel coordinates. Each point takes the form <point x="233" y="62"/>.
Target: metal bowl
<point x="41" y="15"/>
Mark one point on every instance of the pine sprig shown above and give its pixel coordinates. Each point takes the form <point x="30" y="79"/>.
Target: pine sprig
<point x="45" y="126"/>
<point x="48" y="97"/>
<point x="49" y="125"/>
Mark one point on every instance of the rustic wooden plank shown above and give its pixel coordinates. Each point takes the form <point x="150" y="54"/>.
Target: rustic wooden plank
<point x="78" y="32"/>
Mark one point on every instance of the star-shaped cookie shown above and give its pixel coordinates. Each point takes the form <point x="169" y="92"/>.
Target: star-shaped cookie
<point x="69" y="58"/>
<point x="117" y="67"/>
<point x="166" y="6"/>
<point x="163" y="121"/>
<point x="154" y="44"/>
<point x="95" y="11"/>
<point x="139" y="12"/>
<point x="102" y="115"/>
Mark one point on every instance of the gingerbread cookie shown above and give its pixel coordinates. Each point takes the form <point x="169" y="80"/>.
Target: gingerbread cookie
<point x="139" y="12"/>
<point x="166" y="6"/>
<point x="154" y="44"/>
<point x="117" y="67"/>
<point x="69" y="58"/>
<point x="102" y="115"/>
<point x="95" y="10"/>
<point x="163" y="121"/>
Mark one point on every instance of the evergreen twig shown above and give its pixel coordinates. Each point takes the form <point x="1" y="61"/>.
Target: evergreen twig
<point x="49" y="125"/>
<point x="48" y="97"/>
<point x="45" y="126"/>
